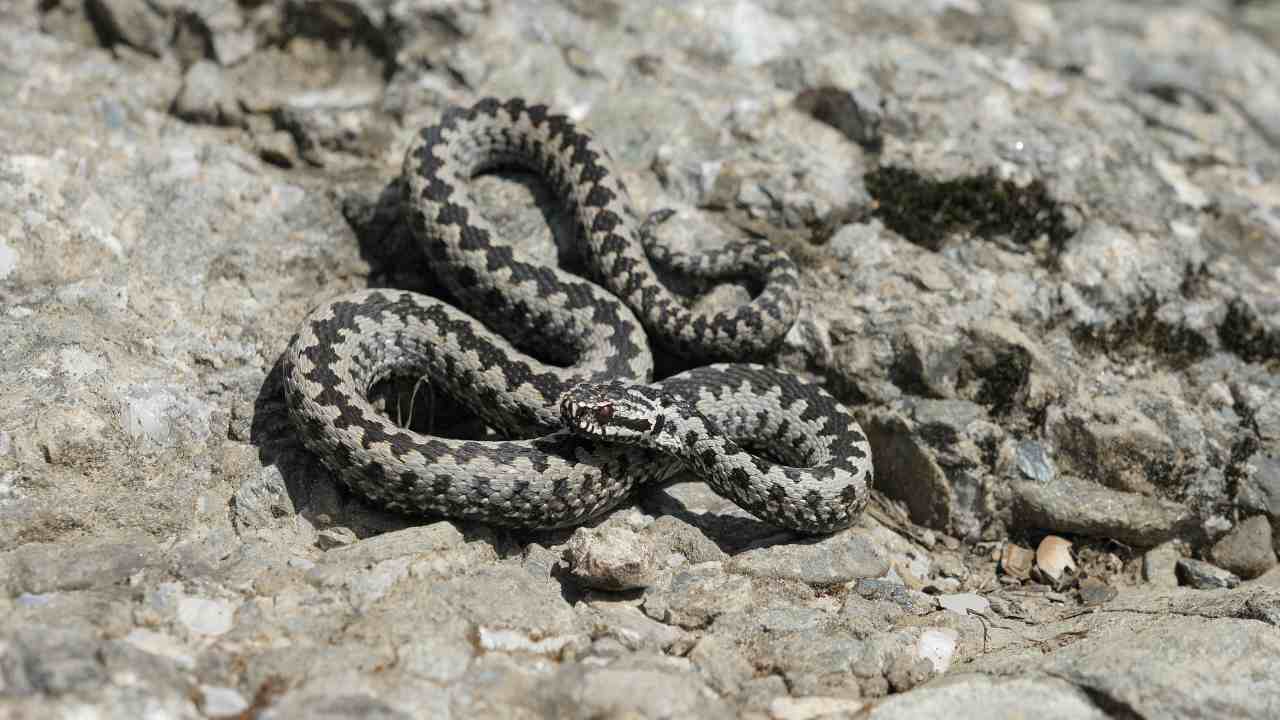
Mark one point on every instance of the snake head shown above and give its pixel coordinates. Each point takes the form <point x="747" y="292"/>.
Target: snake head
<point x="615" y="411"/>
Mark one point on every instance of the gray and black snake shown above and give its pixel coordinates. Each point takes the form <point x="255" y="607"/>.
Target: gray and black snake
<point x="600" y="426"/>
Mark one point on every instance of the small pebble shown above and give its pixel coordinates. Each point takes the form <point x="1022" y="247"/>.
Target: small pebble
<point x="1034" y="462"/>
<point x="964" y="603"/>
<point x="1053" y="559"/>
<point x="945" y="585"/>
<point x="204" y="616"/>
<point x="1016" y="561"/>
<point x="1160" y="565"/>
<point x="612" y="557"/>
<point x="1205" y="576"/>
<point x="335" y="537"/>
<point x="1095" y="592"/>
<point x="1246" y="549"/>
<point x="218" y="701"/>
<point x="938" y="646"/>
<point x="165" y="646"/>
<point x="812" y="708"/>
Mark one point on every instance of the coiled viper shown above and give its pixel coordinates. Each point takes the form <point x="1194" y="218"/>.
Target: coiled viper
<point x="614" y="429"/>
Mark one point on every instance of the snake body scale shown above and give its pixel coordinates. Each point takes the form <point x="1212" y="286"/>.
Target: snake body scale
<point x="599" y="425"/>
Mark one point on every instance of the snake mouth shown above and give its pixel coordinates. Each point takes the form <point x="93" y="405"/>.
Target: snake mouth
<point x="579" y="417"/>
<point x="587" y="417"/>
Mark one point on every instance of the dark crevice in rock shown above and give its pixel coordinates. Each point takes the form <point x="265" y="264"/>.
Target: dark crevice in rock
<point x="339" y="25"/>
<point x="1193" y="281"/>
<point x="129" y="22"/>
<point x="823" y="230"/>
<point x="1142" y="332"/>
<point x="192" y="38"/>
<point x="1179" y="95"/>
<point x="937" y="435"/>
<point x="837" y="107"/>
<point x="908" y="375"/>
<point x="1245" y="334"/>
<point x="927" y="212"/>
<point x="1248" y="415"/>
<point x="1236" y="472"/>
<point x="1001" y="384"/>
<point x="1114" y="708"/>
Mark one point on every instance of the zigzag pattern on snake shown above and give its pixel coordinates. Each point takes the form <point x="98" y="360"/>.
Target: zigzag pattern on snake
<point x="600" y="426"/>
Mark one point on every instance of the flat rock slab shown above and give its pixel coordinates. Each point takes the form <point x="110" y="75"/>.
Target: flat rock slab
<point x="1246" y="550"/>
<point x="845" y="556"/>
<point x="977" y="697"/>
<point x="1070" y="505"/>
<point x="1177" y="666"/>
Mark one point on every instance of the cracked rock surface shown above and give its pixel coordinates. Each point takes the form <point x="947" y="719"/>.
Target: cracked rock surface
<point x="1040" y="248"/>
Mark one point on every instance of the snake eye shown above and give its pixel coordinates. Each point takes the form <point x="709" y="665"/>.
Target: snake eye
<point x="604" y="412"/>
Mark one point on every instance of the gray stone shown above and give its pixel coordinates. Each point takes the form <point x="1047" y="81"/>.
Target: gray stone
<point x="437" y="537"/>
<point x="262" y="500"/>
<point x="777" y="619"/>
<point x="845" y="556"/>
<point x="812" y="708"/>
<point x="335" y="537"/>
<point x="132" y="22"/>
<point x="1168" y="666"/>
<point x="542" y="562"/>
<point x="944" y="585"/>
<point x="760" y="693"/>
<point x="1070" y="505"/>
<point x="725" y="667"/>
<point x="906" y="469"/>
<point x="506" y="598"/>
<point x="207" y="96"/>
<point x="1205" y="576"/>
<point x="906" y="672"/>
<point x="1260" y="486"/>
<point x="938" y="647"/>
<point x="687" y="540"/>
<point x="50" y="661"/>
<point x="1246" y="550"/>
<point x="276" y="147"/>
<point x="160" y="416"/>
<point x="216" y="701"/>
<point x="1094" y="591"/>
<point x="657" y="690"/>
<point x="319" y="704"/>
<point x="369" y="570"/>
<point x="43" y="567"/>
<point x="814" y="661"/>
<point x="330" y="135"/>
<point x="206" y="616"/>
<point x="932" y="359"/>
<point x="633" y="629"/>
<point x="1159" y="565"/>
<point x="697" y="596"/>
<point x="1269" y="579"/>
<point x="975" y="696"/>
<point x="445" y="657"/>
<point x="612" y="557"/>
<point x="964" y="603"/>
<point x="1133" y="444"/>
<point x="911" y="601"/>
<point x="1034" y="462"/>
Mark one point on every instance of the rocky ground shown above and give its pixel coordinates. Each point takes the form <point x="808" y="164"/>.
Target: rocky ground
<point x="1040" y="244"/>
